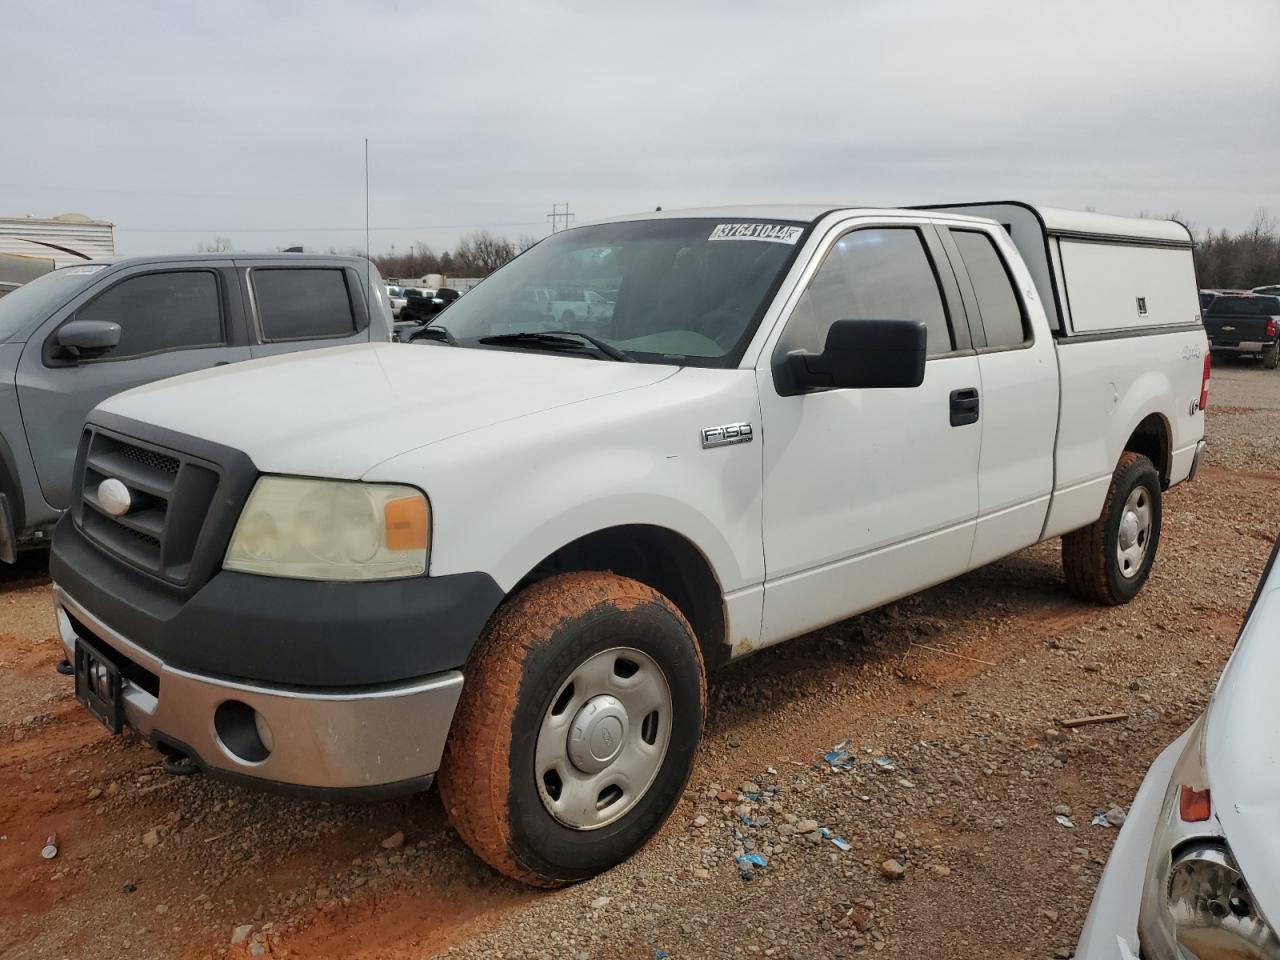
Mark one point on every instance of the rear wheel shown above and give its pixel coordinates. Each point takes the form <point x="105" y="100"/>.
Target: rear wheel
<point x="1271" y="356"/>
<point x="1109" y="560"/>
<point x="576" y="734"/>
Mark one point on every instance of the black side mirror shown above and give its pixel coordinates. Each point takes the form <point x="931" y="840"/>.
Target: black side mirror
<point x="858" y="354"/>
<point x="86" y="339"/>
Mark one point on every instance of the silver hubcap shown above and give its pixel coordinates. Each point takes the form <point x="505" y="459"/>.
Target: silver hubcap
<point x="603" y="738"/>
<point x="1135" y="532"/>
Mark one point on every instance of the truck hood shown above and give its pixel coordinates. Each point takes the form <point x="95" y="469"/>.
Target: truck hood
<point x="338" y="412"/>
<point x="1242" y="749"/>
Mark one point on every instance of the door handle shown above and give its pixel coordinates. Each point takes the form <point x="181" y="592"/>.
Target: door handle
<point x="964" y="406"/>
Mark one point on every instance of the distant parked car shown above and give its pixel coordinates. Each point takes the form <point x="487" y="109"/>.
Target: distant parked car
<point x="1196" y="870"/>
<point x="1245" y="323"/>
<point x="572" y="306"/>
<point x="73" y="337"/>
<point x="420" y="308"/>
<point x="397" y="298"/>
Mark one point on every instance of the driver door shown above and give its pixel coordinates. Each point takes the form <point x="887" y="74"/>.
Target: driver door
<point x="869" y="494"/>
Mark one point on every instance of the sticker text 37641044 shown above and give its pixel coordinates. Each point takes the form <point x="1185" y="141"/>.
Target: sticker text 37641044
<point x="771" y="232"/>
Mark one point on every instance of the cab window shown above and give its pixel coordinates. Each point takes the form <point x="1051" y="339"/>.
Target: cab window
<point x="159" y="312"/>
<point x="881" y="273"/>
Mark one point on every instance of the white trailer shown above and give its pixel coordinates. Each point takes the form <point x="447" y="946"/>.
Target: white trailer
<point x="66" y="239"/>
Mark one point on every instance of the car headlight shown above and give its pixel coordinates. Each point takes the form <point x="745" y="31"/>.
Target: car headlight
<point x="1196" y="904"/>
<point x="331" y="530"/>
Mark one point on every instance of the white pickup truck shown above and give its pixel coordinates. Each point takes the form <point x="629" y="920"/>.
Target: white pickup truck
<point x="509" y="553"/>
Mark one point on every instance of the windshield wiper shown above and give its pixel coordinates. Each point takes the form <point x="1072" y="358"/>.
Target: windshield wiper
<point x="557" y="339"/>
<point x="429" y="332"/>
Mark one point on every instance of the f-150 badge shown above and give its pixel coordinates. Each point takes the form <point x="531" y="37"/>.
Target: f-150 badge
<point x="729" y="433"/>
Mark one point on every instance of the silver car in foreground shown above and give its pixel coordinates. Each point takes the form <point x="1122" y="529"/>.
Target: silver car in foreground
<point x="1195" y="873"/>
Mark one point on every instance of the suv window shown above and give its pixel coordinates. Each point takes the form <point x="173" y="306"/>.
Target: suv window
<point x="1002" y="316"/>
<point x="158" y="312"/>
<point x="303" y="303"/>
<point x="882" y="273"/>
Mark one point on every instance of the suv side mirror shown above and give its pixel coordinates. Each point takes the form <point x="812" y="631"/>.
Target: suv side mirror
<point x="86" y="339"/>
<point x="860" y="353"/>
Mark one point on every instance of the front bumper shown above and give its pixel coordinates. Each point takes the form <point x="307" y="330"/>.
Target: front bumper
<point x="375" y="740"/>
<point x="1111" y="928"/>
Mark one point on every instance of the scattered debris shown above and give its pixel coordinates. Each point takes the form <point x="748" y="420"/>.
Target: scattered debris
<point x="1091" y="720"/>
<point x="842" y="844"/>
<point x="1100" y="819"/>
<point x="1116" y="816"/>
<point x="1065" y="822"/>
<point x="599" y="903"/>
<point x="241" y="933"/>
<point x="884" y="763"/>
<point x="755" y="859"/>
<point x="839" y="757"/>
<point x="50" y="847"/>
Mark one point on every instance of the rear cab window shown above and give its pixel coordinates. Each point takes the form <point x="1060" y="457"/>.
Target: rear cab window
<point x="303" y="303"/>
<point x="1003" y="317"/>
<point x="1249" y="306"/>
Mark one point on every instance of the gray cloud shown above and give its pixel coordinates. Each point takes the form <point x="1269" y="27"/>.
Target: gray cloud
<point x="248" y="119"/>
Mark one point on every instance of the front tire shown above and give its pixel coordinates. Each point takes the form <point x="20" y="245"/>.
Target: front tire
<point x="1109" y="561"/>
<point x="576" y="734"/>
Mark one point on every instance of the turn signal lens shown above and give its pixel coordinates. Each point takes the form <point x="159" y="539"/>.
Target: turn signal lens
<point x="406" y="523"/>
<point x="1193" y="805"/>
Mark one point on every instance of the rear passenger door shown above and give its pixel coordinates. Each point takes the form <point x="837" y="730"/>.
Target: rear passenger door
<point x="294" y="306"/>
<point x="174" y="317"/>
<point x="869" y="494"/>
<point x="1019" y="389"/>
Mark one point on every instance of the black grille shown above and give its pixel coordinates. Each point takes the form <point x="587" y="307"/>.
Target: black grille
<point x="170" y="497"/>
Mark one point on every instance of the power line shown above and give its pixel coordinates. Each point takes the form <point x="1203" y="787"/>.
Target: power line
<point x="556" y="215"/>
<point x="360" y="229"/>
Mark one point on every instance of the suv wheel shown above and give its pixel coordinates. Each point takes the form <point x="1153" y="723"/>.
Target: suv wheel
<point x="576" y="734"/>
<point x="1109" y="560"/>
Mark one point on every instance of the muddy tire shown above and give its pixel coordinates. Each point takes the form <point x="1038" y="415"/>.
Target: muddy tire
<point x="1271" y="357"/>
<point x="1109" y="560"/>
<point x="580" y="717"/>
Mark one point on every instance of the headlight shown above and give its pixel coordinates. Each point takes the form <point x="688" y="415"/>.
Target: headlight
<point x="331" y="530"/>
<point x="1196" y="905"/>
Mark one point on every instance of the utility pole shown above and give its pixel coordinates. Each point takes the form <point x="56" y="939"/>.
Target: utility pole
<point x="560" y="219"/>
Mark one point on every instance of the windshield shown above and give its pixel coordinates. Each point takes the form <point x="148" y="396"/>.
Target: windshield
<point x="1245" y="307"/>
<point x="34" y="301"/>
<point x="664" y="291"/>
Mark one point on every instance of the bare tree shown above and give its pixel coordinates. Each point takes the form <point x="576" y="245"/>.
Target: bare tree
<point x="216" y="245"/>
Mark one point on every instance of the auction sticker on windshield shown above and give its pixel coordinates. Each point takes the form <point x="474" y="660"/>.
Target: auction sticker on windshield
<point x="772" y="232"/>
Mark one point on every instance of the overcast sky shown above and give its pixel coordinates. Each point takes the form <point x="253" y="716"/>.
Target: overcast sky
<point x="182" y="121"/>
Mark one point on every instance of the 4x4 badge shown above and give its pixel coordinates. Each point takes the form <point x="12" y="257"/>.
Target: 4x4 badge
<point x="729" y="433"/>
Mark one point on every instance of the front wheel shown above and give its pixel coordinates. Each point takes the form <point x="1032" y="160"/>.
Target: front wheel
<point x="1109" y="560"/>
<point x="580" y="718"/>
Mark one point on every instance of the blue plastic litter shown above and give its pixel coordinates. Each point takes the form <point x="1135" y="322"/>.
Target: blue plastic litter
<point x="884" y="763"/>
<point x="746" y="820"/>
<point x="1100" y="819"/>
<point x="840" y="758"/>
<point x="660" y="955"/>
<point x="842" y="844"/>
<point x="755" y="859"/>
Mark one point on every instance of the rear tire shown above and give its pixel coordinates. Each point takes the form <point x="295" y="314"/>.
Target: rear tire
<point x="530" y="692"/>
<point x="1271" y="357"/>
<point x="1109" y="561"/>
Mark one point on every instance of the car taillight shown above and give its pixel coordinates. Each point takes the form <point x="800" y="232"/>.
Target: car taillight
<point x="1204" y="383"/>
<point x="1271" y="326"/>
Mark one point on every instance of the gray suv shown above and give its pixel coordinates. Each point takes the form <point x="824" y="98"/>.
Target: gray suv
<point x="74" y="337"/>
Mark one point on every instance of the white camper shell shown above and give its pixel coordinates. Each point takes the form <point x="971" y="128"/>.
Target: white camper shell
<point x="1097" y="273"/>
